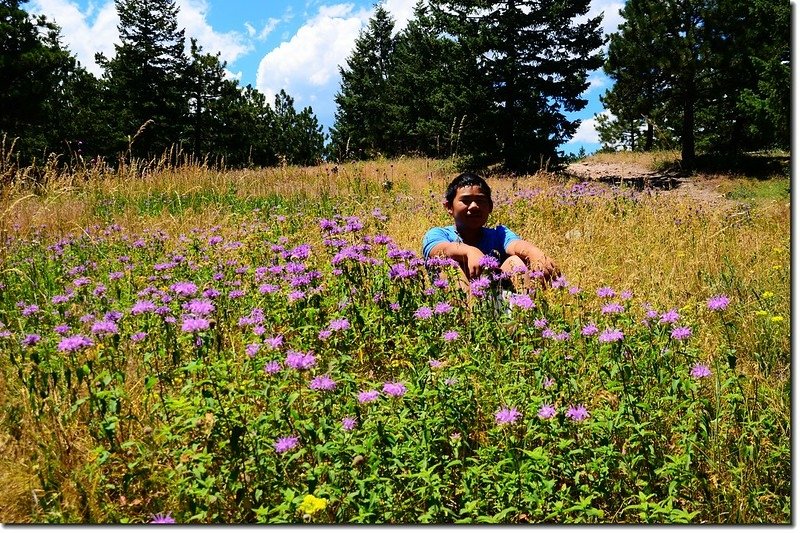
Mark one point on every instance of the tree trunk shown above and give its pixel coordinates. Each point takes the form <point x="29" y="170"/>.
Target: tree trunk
<point x="687" y="132"/>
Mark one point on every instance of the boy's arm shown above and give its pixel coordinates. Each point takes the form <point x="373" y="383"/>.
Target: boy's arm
<point x="533" y="257"/>
<point x="467" y="256"/>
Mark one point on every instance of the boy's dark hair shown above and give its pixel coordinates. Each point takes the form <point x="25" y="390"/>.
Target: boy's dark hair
<point x="467" y="179"/>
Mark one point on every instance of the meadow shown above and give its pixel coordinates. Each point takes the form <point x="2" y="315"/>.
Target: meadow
<point x="267" y="346"/>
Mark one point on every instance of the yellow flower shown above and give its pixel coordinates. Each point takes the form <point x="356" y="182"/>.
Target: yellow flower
<point x="776" y="267"/>
<point x="761" y="312"/>
<point x="311" y="504"/>
<point x="768" y="294"/>
<point x="777" y="318"/>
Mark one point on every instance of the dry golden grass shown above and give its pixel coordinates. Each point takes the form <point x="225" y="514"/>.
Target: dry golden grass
<point x="671" y="250"/>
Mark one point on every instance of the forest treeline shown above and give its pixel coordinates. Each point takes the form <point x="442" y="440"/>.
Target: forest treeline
<point x="488" y="82"/>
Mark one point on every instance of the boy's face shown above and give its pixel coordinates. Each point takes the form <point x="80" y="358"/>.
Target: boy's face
<point x="470" y="208"/>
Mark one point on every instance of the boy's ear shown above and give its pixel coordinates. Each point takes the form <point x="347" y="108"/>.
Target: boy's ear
<point x="449" y="206"/>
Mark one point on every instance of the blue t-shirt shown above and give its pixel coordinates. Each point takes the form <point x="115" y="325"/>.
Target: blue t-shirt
<point x="493" y="240"/>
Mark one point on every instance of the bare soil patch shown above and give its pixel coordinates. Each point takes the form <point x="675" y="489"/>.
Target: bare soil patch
<point x="698" y="187"/>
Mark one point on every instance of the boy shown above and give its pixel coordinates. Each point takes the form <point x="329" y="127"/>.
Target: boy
<point x="469" y="202"/>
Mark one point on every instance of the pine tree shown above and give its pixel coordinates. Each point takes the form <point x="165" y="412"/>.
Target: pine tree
<point x="145" y="79"/>
<point x="534" y="56"/>
<point x="362" y="124"/>
<point x="205" y="80"/>
<point x="431" y="91"/>
<point x="298" y="138"/>
<point x="713" y="72"/>
<point x="38" y="83"/>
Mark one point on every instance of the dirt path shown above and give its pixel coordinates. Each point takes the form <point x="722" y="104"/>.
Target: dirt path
<point x="700" y="188"/>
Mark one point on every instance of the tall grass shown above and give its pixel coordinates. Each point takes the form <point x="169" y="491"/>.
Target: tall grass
<point x="184" y="422"/>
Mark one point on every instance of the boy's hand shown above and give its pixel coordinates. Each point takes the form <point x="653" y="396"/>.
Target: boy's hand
<point x="535" y="258"/>
<point x="472" y="259"/>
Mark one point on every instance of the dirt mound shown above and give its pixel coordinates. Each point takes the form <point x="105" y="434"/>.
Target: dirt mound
<point x="639" y="176"/>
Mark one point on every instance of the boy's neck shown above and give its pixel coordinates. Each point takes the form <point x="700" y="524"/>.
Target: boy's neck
<point x="470" y="236"/>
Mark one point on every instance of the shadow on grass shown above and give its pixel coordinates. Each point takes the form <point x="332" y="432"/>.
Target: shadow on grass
<point x="756" y="166"/>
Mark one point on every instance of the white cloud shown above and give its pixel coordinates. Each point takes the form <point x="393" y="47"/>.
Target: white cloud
<point x="84" y="36"/>
<point x="586" y="132"/>
<point x="611" y="16"/>
<point x="80" y="36"/>
<point x="193" y="14"/>
<point x="306" y="64"/>
<point x="597" y="81"/>
<point x="270" y="25"/>
<point x="401" y="11"/>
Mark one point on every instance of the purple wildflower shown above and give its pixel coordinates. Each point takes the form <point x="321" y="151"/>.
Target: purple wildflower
<point x="611" y="335"/>
<point x="348" y="423"/>
<point x="478" y="286"/>
<point x="32" y="339"/>
<point x="488" y="261"/>
<point x="61" y="329"/>
<point x="113" y="316"/>
<point x="589" y="329"/>
<point x="323" y="382"/>
<point x="30" y="310"/>
<point x="435" y="363"/>
<point x="273" y="367"/>
<point x="274" y="342"/>
<point x="548" y="382"/>
<point x="546" y="411"/>
<point x="138" y="336"/>
<point x="285" y="444"/>
<point x="605" y="292"/>
<point x="339" y="324"/>
<point x="506" y="416"/>
<point x="611" y="308"/>
<point x="423" y="313"/>
<point x="74" y="343"/>
<point x="681" y="333"/>
<point x="193" y="325"/>
<point x="540" y="323"/>
<point x="368" y="396"/>
<point x="577" y="413"/>
<point x="394" y="389"/>
<point x="450" y="335"/>
<point x="700" y="371"/>
<point x="559" y="283"/>
<point x="295" y="295"/>
<point x="199" y="307"/>
<point x="718" y="302"/>
<point x="184" y="288"/>
<point x="300" y="360"/>
<point x="162" y="519"/>
<point x="324" y="334"/>
<point x="442" y="308"/>
<point x="104" y="327"/>
<point x="670" y="317"/>
<point x="523" y="301"/>
<point x="252" y="349"/>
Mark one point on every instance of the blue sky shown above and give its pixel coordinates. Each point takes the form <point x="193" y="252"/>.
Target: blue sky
<point x="296" y="45"/>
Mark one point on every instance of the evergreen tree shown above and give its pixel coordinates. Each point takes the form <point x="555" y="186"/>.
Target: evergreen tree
<point x="713" y="72"/>
<point x="39" y="82"/>
<point x="534" y="58"/>
<point x="432" y="95"/>
<point x="145" y="79"/>
<point x="749" y="104"/>
<point x="205" y="80"/>
<point x="298" y="138"/>
<point x="636" y="63"/>
<point x="362" y="124"/>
